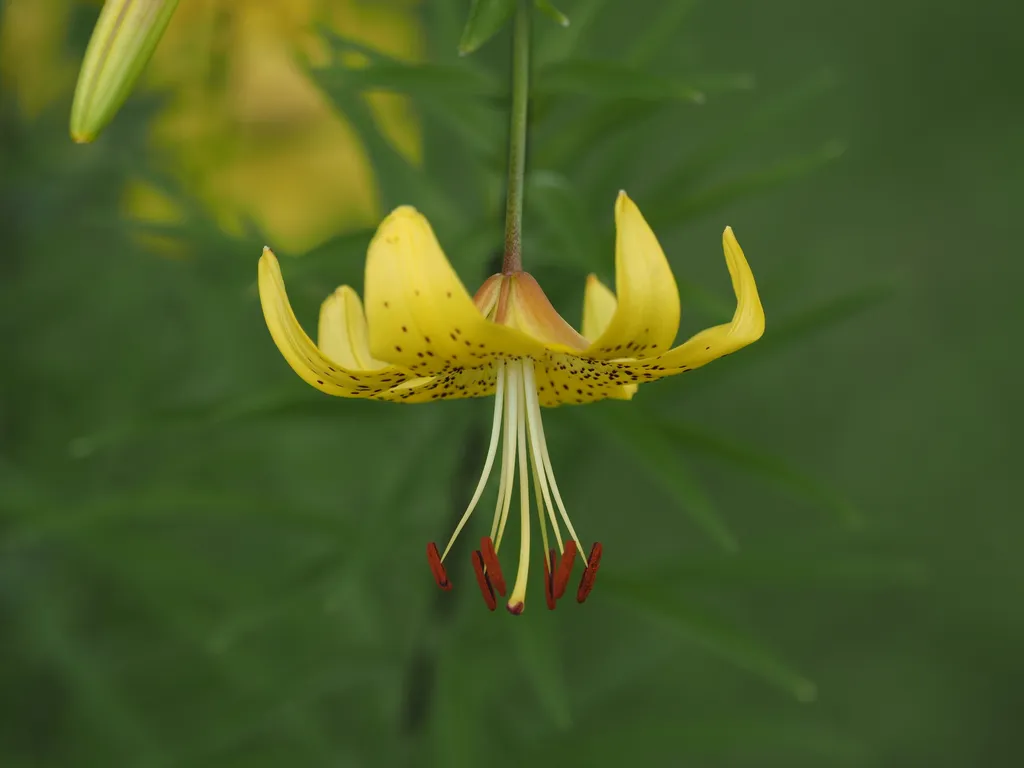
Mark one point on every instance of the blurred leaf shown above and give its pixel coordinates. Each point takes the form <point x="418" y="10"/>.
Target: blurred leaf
<point x="117" y="720"/>
<point x="671" y="212"/>
<point x="710" y="633"/>
<point x="561" y="44"/>
<point x="733" y="137"/>
<point x="291" y="403"/>
<point x="611" y="80"/>
<point x="422" y="80"/>
<point x="400" y="181"/>
<point x="658" y="32"/>
<point x="739" y="739"/>
<point x="38" y="523"/>
<point x="557" y="204"/>
<point x="538" y="649"/>
<point x="754" y="461"/>
<point x="654" y="451"/>
<point x="567" y="143"/>
<point x="486" y="18"/>
<point x="819" y="317"/>
<point x="551" y="12"/>
<point x="806" y="572"/>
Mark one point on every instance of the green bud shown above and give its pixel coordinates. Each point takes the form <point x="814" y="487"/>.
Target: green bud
<point x="552" y="13"/>
<point x="125" y="37"/>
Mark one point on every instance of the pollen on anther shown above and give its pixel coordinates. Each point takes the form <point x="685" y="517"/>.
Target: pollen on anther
<point x="481" y="578"/>
<point x="440" y="576"/>
<point x="493" y="565"/>
<point x="590" y="573"/>
<point x="564" y="570"/>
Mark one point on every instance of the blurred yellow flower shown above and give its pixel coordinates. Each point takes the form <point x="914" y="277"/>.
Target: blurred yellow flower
<point x="241" y="110"/>
<point x="424" y="338"/>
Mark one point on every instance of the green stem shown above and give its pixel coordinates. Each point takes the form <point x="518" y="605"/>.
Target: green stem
<point x="513" y="260"/>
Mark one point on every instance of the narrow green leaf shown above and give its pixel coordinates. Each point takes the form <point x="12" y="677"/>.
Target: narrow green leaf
<point x="754" y="461"/>
<point x="611" y="80"/>
<point x="486" y="18"/>
<point x="552" y="198"/>
<point x="565" y="145"/>
<point x="707" y="157"/>
<point x="423" y="80"/>
<point x="551" y="12"/>
<point x="400" y="182"/>
<point x="654" y="451"/>
<point x="710" y="633"/>
<point x="675" y="212"/>
<point x="562" y="44"/>
<point x="658" y="32"/>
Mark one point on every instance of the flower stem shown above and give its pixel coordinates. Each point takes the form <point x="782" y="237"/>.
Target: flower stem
<point x="513" y="259"/>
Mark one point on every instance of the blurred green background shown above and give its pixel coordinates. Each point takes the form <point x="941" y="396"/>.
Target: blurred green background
<point x="205" y="562"/>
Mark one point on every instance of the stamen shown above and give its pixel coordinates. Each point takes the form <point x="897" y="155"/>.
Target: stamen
<point x="492" y="450"/>
<point x="590" y="573"/>
<point x="490" y="558"/>
<point x="512" y="425"/>
<point x="564" y="570"/>
<point x="541" y="442"/>
<point x="502" y="476"/>
<point x="518" y="596"/>
<point x="539" y="474"/>
<point x="436" y="568"/>
<point x="481" y="578"/>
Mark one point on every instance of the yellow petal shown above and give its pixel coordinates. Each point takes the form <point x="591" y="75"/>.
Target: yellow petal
<point x="745" y="328"/>
<point x="419" y="313"/>
<point x="452" y="385"/>
<point x="341" y="334"/>
<point x="646" y="319"/>
<point x="579" y="379"/>
<point x="599" y="305"/>
<point x="572" y="380"/>
<point x="313" y="365"/>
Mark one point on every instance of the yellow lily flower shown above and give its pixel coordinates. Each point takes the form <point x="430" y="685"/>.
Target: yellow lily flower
<point x="423" y="338"/>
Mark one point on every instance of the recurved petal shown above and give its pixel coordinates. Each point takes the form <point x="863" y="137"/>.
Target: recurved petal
<point x="341" y="334"/>
<point x="599" y="305"/>
<point x="646" y="319"/>
<point x="316" y="367"/>
<point x="419" y="313"/>
<point x="745" y="328"/>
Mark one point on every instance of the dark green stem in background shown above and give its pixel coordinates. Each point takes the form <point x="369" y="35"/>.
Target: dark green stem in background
<point x="513" y="259"/>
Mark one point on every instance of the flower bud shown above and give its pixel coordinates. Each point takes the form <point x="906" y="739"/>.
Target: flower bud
<point x="125" y="36"/>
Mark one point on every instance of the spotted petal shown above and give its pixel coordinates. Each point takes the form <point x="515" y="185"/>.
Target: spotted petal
<point x="318" y="367"/>
<point x="420" y="315"/>
<point x="646" y="318"/>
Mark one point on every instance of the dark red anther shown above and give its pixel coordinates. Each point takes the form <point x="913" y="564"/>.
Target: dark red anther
<point x="564" y="570"/>
<point x="549" y="579"/>
<point x="590" y="573"/>
<point x="493" y="566"/>
<point x="481" y="578"/>
<point x="436" y="568"/>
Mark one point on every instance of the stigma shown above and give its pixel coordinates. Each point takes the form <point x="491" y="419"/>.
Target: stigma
<point x="517" y="429"/>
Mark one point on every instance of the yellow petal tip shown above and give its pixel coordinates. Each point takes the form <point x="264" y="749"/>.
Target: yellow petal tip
<point x="82" y="138"/>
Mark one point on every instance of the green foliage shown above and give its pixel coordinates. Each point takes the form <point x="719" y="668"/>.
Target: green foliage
<point x="203" y="562"/>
